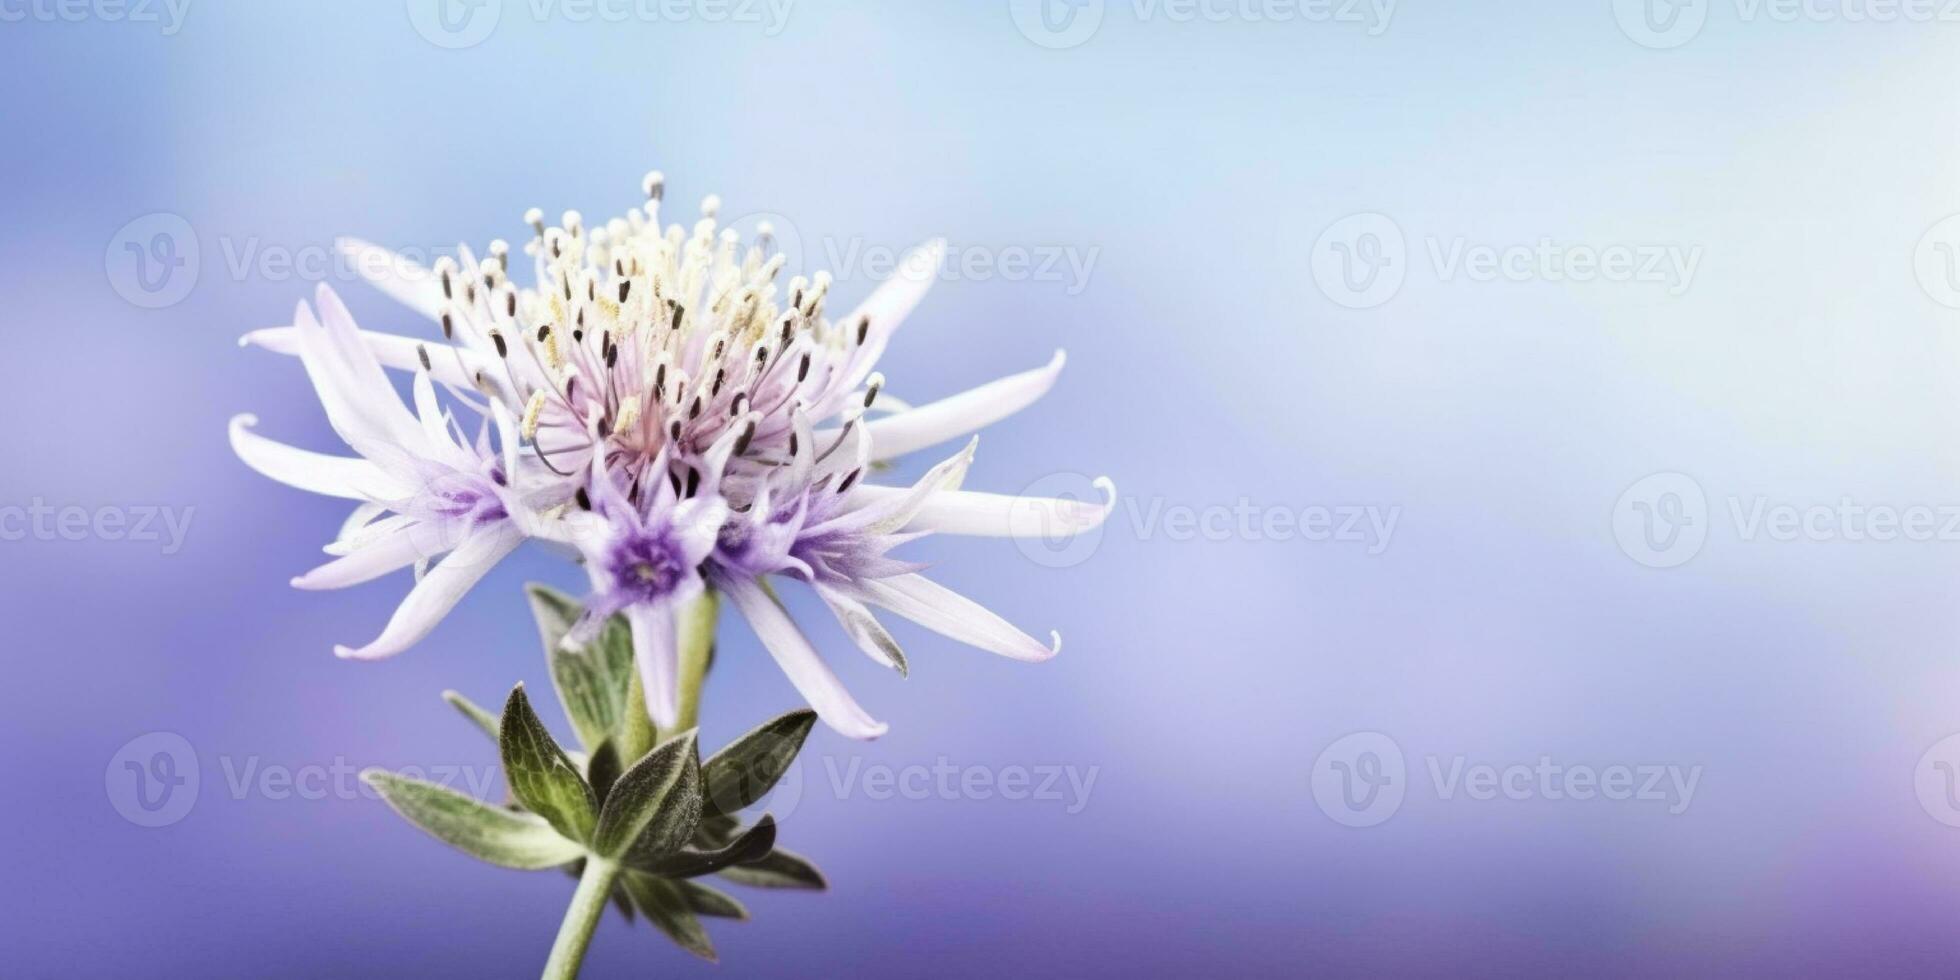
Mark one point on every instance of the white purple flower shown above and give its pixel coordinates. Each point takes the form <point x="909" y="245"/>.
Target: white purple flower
<point x="657" y="398"/>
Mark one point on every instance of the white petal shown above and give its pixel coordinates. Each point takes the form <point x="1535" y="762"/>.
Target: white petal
<point x="360" y="403"/>
<point x="453" y="366"/>
<point x="950" y="614"/>
<point x="333" y="476"/>
<point x="887" y="308"/>
<point x="999" y="515"/>
<point x="964" y="413"/>
<point x="897" y="297"/>
<point x="439" y="591"/>
<point x="864" y="628"/>
<point x="944" y="478"/>
<point x="655" y="655"/>
<point x="800" y="661"/>
<point x="363" y="528"/>
<point x="403" y="279"/>
<point x="395" y="550"/>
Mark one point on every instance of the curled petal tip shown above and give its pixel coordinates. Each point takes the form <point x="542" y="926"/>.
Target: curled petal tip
<point x="244" y="420"/>
<point x="1108" y="488"/>
<point x="364" y="653"/>
<point x="1054" y="643"/>
<point x="1061" y="357"/>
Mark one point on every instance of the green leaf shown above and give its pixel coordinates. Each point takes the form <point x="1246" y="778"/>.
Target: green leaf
<point x="541" y="776"/>
<point x="781" y="869"/>
<point x="750" y="766"/>
<point x="716" y="830"/>
<point x="489" y="833"/>
<point x="669" y="910"/>
<point x="591" y="682"/>
<point x="623" y="902"/>
<point x="655" y="806"/>
<point x="753" y="845"/>
<point x="475" y="713"/>
<point x="603" y="770"/>
<point x="702" y="900"/>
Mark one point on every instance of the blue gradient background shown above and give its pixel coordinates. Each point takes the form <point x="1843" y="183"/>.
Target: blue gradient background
<point x="1202" y="678"/>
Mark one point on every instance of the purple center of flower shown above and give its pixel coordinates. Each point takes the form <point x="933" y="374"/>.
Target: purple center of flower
<point x="461" y="498"/>
<point x="645" y="567"/>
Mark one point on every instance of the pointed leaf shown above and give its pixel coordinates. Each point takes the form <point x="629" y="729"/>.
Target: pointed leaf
<point x="702" y="900"/>
<point x="603" y="770"/>
<point x="655" y="806"/>
<point x="489" y="833"/>
<point x="781" y="869"/>
<point x="750" y="766"/>
<point x="664" y="906"/>
<point x="541" y="776"/>
<point x="753" y="845"/>
<point x="477" y="715"/>
<point x="592" y="681"/>
<point x="716" y="830"/>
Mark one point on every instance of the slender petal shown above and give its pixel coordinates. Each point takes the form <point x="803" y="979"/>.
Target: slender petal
<point x="950" y="614"/>
<point x="450" y="365"/>
<point x="332" y="476"/>
<point x="391" y="552"/>
<point x="806" y="670"/>
<point x="654" y="652"/>
<point x="996" y="515"/>
<point x="403" y="279"/>
<point x="864" y="628"/>
<point x="966" y="412"/>
<point x="439" y="591"/>
<point x="884" y="311"/>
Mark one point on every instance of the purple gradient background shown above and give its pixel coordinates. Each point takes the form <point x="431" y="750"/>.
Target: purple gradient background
<point x="1202" y="678"/>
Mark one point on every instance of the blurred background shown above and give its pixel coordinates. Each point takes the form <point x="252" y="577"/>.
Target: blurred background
<point x="1540" y="518"/>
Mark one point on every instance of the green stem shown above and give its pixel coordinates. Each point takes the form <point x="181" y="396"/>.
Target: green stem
<point x="581" y="919"/>
<point x="696" y="646"/>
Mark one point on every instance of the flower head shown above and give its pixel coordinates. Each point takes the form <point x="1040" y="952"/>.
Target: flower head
<point x="671" y="411"/>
